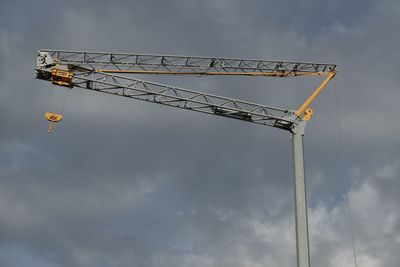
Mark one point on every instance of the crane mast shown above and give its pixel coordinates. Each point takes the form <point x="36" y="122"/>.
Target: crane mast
<point x="103" y="72"/>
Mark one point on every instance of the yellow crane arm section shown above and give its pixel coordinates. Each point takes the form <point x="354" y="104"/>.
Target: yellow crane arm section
<point x="317" y="91"/>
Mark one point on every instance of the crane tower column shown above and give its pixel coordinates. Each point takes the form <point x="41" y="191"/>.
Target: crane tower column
<point x="300" y="198"/>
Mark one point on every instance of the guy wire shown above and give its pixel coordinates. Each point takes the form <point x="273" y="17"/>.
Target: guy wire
<point x="346" y="178"/>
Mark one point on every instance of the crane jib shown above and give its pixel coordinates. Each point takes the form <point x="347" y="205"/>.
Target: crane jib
<point x="101" y="71"/>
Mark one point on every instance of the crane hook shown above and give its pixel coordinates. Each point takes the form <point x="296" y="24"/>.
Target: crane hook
<point x="53" y="118"/>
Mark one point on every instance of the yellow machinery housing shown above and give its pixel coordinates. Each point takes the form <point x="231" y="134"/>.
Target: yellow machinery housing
<point x="62" y="77"/>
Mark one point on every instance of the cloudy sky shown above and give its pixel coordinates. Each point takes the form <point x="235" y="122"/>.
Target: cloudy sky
<point x="127" y="183"/>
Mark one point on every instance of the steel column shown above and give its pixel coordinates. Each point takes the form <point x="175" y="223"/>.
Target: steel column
<point x="300" y="198"/>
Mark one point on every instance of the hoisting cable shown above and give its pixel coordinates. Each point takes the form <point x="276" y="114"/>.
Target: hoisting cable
<point x="53" y="118"/>
<point x="49" y="116"/>
<point x="346" y="178"/>
<point x="65" y="100"/>
<point x="50" y="97"/>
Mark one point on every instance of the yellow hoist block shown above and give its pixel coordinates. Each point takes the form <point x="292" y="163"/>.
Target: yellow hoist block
<point x="308" y="114"/>
<point x="62" y="77"/>
<point x="52" y="118"/>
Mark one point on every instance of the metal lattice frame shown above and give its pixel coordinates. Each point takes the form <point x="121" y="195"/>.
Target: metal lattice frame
<point x="97" y="71"/>
<point x="160" y="64"/>
<point x="185" y="99"/>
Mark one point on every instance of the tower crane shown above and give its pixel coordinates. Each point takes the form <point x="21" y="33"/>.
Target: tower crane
<point x="104" y="72"/>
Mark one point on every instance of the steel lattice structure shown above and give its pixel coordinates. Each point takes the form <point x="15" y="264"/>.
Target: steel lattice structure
<point x="159" y="64"/>
<point x="101" y="72"/>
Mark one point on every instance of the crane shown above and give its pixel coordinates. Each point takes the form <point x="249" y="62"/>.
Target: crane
<point x="103" y="72"/>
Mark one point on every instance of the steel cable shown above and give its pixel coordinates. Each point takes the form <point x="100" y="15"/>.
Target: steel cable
<point x="347" y="179"/>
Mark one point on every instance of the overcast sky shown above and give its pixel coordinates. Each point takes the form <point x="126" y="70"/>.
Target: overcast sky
<point x="128" y="183"/>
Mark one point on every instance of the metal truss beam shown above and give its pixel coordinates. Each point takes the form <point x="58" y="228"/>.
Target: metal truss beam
<point x="182" y="98"/>
<point x="181" y="65"/>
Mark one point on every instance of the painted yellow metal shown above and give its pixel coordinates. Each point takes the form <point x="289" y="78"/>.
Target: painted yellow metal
<point x="315" y="93"/>
<point x="62" y="77"/>
<point x="308" y="114"/>
<point x="53" y="118"/>
<point x="271" y="73"/>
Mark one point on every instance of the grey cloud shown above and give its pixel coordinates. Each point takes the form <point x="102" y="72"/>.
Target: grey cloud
<point x="127" y="183"/>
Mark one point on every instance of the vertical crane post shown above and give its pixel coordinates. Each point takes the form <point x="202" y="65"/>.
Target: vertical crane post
<point x="300" y="198"/>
